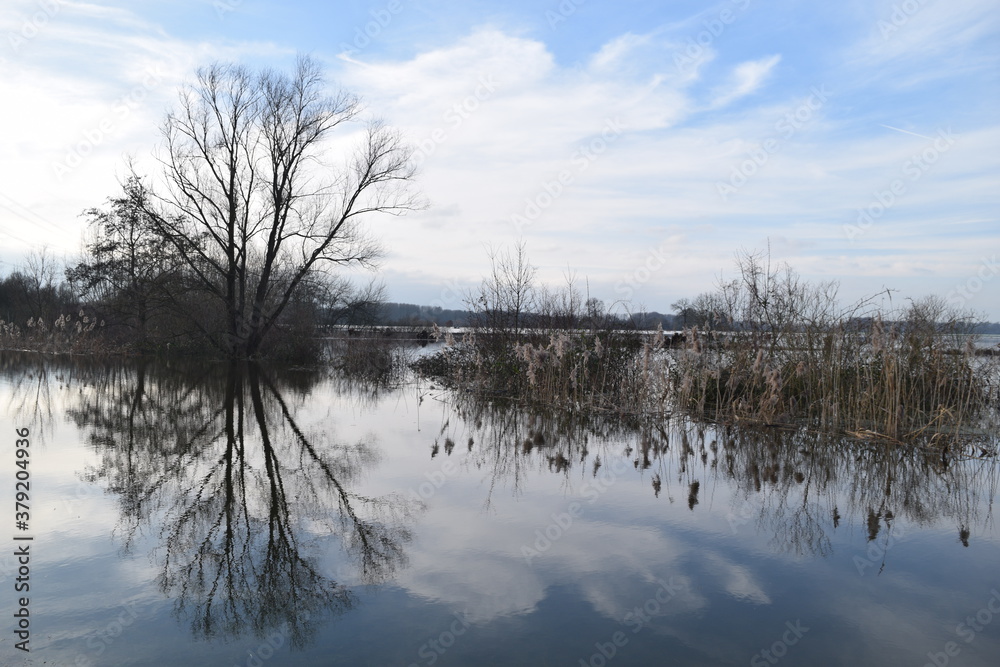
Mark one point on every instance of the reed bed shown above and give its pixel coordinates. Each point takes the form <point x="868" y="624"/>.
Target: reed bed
<point x="770" y="350"/>
<point x="900" y="381"/>
<point x="590" y="370"/>
<point x="69" y="334"/>
<point x="781" y="351"/>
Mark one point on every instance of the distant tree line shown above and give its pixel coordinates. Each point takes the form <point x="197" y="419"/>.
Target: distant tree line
<point x="685" y="316"/>
<point x="36" y="289"/>
<point x="132" y="280"/>
<point x="412" y="314"/>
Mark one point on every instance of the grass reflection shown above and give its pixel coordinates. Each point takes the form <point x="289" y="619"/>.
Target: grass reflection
<point x="794" y="484"/>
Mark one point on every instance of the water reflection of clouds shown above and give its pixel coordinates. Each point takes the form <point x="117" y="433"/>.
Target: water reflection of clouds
<point x="211" y="473"/>
<point x="736" y="580"/>
<point x="927" y="603"/>
<point x="761" y="545"/>
<point x="490" y="588"/>
<point x="482" y="568"/>
<point x="745" y="550"/>
<point x="614" y="568"/>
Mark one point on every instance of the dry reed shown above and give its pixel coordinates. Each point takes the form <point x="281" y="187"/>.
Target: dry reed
<point x="772" y="350"/>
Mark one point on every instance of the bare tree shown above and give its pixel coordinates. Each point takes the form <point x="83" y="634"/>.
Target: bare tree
<point x="507" y="295"/>
<point x="253" y="204"/>
<point x="684" y="310"/>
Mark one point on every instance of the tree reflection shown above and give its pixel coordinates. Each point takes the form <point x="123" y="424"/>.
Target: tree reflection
<point x="32" y="382"/>
<point x="244" y="497"/>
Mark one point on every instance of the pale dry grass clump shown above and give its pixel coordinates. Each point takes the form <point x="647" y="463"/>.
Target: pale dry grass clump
<point x="767" y="349"/>
<point x="607" y="371"/>
<point x="791" y="357"/>
<point x="907" y="385"/>
<point x="68" y="334"/>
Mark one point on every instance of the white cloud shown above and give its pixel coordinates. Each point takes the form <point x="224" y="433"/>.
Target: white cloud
<point x="483" y="570"/>
<point x="499" y="118"/>
<point x="929" y="32"/>
<point x="90" y="86"/>
<point x="737" y="580"/>
<point x="746" y="79"/>
<point x="619" y="53"/>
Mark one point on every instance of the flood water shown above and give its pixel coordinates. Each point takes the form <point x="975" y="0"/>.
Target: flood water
<point x="217" y="514"/>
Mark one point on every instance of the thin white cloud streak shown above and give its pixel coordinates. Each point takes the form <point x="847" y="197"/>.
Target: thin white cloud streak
<point x="746" y="79"/>
<point x="932" y="36"/>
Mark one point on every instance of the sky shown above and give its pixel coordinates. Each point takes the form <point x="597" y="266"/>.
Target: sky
<point x="636" y="146"/>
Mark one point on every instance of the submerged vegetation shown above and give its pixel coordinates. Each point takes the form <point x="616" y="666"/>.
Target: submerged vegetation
<point x="236" y="479"/>
<point x="895" y="380"/>
<point x="769" y="349"/>
<point x="372" y="361"/>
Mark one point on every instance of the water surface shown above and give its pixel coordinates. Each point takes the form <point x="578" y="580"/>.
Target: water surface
<point x="190" y="514"/>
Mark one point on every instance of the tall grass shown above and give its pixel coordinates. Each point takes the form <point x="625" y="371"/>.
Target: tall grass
<point x="770" y="349"/>
<point x="561" y="368"/>
<point x="900" y="380"/>
<point x="789" y="355"/>
<point x="69" y="333"/>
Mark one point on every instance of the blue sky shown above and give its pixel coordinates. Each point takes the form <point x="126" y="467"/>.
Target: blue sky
<point x="640" y="145"/>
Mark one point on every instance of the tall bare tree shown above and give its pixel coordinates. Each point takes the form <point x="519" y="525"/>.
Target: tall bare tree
<point x="254" y="203"/>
